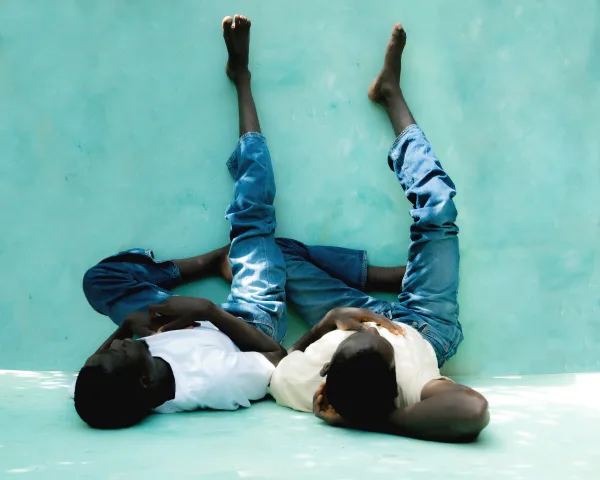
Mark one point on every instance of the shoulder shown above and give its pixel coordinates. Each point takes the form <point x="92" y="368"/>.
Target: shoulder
<point x="295" y="381"/>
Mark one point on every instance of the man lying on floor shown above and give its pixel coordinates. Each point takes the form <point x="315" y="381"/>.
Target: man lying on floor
<point x="377" y="379"/>
<point x="204" y="367"/>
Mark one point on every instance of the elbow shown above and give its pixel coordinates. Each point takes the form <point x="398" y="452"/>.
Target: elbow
<point x="280" y="354"/>
<point x="476" y="416"/>
<point x="276" y="356"/>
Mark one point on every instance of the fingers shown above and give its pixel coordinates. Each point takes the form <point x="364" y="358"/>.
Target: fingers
<point x="318" y="396"/>
<point x="178" y="324"/>
<point x="319" y="401"/>
<point x="394" y="328"/>
<point x="384" y="322"/>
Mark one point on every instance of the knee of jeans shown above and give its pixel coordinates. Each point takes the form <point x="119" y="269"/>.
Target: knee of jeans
<point x="91" y="288"/>
<point x="99" y="283"/>
<point x="440" y="216"/>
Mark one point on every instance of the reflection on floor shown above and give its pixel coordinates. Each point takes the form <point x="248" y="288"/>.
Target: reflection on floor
<point x="543" y="427"/>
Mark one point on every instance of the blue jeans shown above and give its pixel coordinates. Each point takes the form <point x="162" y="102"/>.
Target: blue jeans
<point x="132" y="280"/>
<point x="321" y="278"/>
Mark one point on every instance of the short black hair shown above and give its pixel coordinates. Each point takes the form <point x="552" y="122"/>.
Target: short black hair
<point x="110" y="399"/>
<point x="362" y="388"/>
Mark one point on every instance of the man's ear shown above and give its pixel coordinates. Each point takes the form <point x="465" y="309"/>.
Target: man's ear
<point x="325" y="369"/>
<point x="145" y="381"/>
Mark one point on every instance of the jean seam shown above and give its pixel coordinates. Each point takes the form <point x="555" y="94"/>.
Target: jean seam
<point x="264" y="258"/>
<point x="364" y="273"/>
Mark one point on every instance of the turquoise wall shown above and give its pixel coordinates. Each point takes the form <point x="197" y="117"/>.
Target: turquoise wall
<point x="116" y="119"/>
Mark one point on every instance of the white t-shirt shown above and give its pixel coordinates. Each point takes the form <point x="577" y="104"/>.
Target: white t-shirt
<point x="210" y="370"/>
<point x="297" y="376"/>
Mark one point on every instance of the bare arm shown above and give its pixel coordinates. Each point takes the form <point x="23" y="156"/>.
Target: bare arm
<point x="385" y="279"/>
<point x="135" y="324"/>
<point x="186" y="311"/>
<point x="326" y="325"/>
<point x="448" y="412"/>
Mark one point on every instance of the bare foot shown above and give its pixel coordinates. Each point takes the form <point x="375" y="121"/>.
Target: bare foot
<point x="387" y="83"/>
<point x="236" y="32"/>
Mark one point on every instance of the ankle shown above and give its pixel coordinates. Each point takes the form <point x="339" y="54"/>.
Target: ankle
<point x="242" y="79"/>
<point x="391" y="93"/>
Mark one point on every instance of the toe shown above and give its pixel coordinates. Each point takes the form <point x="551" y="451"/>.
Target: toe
<point x="227" y="22"/>
<point x="236" y="20"/>
<point x="399" y="32"/>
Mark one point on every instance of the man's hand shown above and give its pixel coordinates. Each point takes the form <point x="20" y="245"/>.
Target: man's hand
<point x="344" y="318"/>
<point x="348" y="318"/>
<point x="323" y="410"/>
<point x="140" y="324"/>
<point x="178" y="313"/>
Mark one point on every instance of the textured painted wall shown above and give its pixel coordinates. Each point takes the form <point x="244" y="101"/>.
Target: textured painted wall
<point x="117" y="119"/>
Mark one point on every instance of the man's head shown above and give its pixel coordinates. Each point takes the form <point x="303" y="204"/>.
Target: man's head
<point x="112" y="389"/>
<point x="361" y="378"/>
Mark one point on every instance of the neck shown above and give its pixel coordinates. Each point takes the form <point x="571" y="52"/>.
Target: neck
<point x="164" y="389"/>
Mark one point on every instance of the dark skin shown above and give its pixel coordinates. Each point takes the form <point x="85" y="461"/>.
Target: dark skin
<point x="447" y="412"/>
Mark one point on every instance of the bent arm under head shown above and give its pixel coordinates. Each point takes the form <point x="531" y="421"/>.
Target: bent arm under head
<point x="448" y="412"/>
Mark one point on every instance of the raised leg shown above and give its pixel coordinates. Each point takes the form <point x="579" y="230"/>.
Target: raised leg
<point x="236" y="32"/>
<point x="257" y="264"/>
<point x="385" y="279"/>
<point x="385" y="89"/>
<point x="430" y="285"/>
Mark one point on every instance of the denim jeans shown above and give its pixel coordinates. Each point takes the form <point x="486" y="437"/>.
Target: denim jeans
<point x="132" y="280"/>
<point x="321" y="278"/>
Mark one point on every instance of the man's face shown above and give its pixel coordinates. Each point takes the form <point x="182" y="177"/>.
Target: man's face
<point x="123" y="353"/>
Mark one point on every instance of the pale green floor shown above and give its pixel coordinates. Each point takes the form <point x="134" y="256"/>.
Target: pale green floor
<point x="543" y="427"/>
